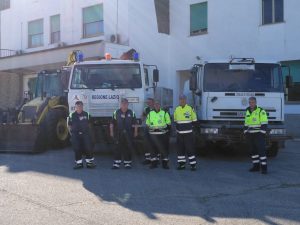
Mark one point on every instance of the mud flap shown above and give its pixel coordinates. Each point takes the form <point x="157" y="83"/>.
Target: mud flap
<point x="27" y="138"/>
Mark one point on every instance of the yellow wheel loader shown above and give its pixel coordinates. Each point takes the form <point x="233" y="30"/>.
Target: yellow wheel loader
<point x="40" y="123"/>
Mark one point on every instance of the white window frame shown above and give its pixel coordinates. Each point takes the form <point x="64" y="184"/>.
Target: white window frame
<point x="52" y="41"/>
<point x="38" y="34"/>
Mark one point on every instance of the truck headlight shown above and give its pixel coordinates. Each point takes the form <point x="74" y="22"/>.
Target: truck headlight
<point x="209" y="130"/>
<point x="277" y="131"/>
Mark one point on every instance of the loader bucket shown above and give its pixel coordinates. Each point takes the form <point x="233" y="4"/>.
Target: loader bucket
<point x="17" y="138"/>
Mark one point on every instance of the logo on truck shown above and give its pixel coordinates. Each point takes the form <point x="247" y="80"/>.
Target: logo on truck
<point x="244" y="101"/>
<point x="244" y="94"/>
<point x="103" y="97"/>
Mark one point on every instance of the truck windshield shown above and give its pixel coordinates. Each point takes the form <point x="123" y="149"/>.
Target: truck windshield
<point x="265" y="78"/>
<point x="109" y="76"/>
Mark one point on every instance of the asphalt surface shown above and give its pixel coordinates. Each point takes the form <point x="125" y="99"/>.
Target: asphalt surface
<point x="44" y="189"/>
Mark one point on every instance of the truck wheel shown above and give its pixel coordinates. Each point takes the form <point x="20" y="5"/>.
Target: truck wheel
<point x="205" y="148"/>
<point x="272" y="151"/>
<point x="57" y="129"/>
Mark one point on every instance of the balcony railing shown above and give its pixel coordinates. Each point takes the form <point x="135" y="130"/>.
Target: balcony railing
<point x="7" y="53"/>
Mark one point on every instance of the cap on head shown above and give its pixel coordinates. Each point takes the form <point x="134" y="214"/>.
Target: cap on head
<point x="124" y="100"/>
<point x="79" y="103"/>
<point x="156" y="101"/>
<point x="252" y="99"/>
<point x="182" y="96"/>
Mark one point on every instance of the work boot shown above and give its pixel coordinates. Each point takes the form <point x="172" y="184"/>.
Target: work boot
<point x="181" y="166"/>
<point x="127" y="166"/>
<point x="158" y="159"/>
<point x="90" y="165"/>
<point x="165" y="165"/>
<point x="78" y="166"/>
<point x="153" y="164"/>
<point x="264" y="169"/>
<point x="193" y="167"/>
<point x="115" y="166"/>
<point x="255" y="168"/>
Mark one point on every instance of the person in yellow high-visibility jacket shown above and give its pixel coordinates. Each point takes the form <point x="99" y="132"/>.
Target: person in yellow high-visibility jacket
<point x="184" y="117"/>
<point x="255" y="129"/>
<point x="147" y="110"/>
<point x="159" y="123"/>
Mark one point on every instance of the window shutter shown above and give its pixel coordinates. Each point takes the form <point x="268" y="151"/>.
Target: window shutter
<point x="55" y="23"/>
<point x="198" y="16"/>
<point x="92" y="14"/>
<point x="35" y="27"/>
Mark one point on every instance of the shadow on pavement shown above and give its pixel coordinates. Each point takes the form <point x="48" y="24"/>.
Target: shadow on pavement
<point x="220" y="188"/>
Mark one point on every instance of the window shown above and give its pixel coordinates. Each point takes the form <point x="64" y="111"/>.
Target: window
<point x="35" y="33"/>
<point x="266" y="77"/>
<point x="272" y="11"/>
<point x="93" y="21"/>
<point x="293" y="69"/>
<point x="198" y="17"/>
<point x="121" y="76"/>
<point x="4" y="4"/>
<point x="162" y="8"/>
<point x="55" y="29"/>
<point x="146" y="76"/>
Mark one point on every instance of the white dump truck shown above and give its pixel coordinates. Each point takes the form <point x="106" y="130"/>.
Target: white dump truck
<point x="220" y="92"/>
<point x="101" y="84"/>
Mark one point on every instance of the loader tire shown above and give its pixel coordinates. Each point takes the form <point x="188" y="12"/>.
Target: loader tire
<point x="41" y="140"/>
<point x="57" y="129"/>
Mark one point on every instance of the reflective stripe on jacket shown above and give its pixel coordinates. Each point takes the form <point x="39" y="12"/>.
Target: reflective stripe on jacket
<point x="158" y="122"/>
<point x="256" y="121"/>
<point x="184" y="118"/>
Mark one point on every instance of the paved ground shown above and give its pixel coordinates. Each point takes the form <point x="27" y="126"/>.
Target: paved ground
<point x="43" y="189"/>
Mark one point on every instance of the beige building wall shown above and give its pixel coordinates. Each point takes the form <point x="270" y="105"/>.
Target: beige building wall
<point x="10" y="90"/>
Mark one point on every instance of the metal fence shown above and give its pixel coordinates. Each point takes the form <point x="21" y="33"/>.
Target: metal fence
<point x="7" y="53"/>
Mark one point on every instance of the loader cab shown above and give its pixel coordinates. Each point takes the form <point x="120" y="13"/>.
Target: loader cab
<point x="51" y="83"/>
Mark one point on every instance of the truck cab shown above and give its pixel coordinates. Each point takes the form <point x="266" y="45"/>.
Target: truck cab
<point x="101" y="85"/>
<point x="220" y="93"/>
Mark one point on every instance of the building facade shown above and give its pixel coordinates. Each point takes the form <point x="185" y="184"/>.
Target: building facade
<point x="172" y="34"/>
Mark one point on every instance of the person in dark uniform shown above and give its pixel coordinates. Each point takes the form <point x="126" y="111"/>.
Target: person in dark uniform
<point x="255" y="129"/>
<point x="78" y="123"/>
<point x="123" y="128"/>
<point x="159" y="123"/>
<point x="147" y="110"/>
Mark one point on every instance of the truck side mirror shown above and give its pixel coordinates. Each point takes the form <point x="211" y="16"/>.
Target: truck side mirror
<point x="193" y="82"/>
<point x="155" y="75"/>
<point x="288" y="81"/>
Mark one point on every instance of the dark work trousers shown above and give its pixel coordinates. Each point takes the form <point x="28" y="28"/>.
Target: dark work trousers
<point x="159" y="145"/>
<point x="82" y="145"/>
<point x="185" y="147"/>
<point x="147" y="144"/>
<point x="123" y="149"/>
<point x="257" y="145"/>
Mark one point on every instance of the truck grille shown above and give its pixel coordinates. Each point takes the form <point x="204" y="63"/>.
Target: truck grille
<point x="103" y="110"/>
<point x="237" y="113"/>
